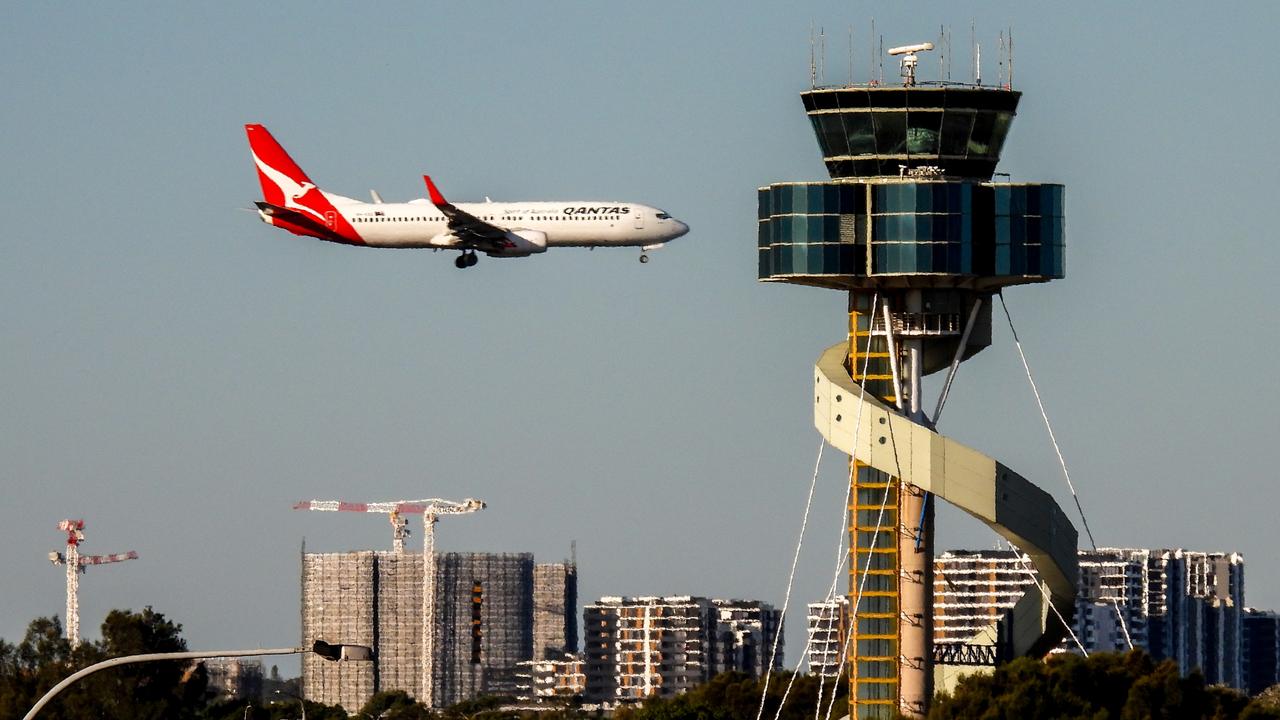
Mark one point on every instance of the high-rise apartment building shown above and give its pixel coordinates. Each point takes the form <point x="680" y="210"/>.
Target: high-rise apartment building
<point x="550" y="679"/>
<point x="637" y="648"/>
<point x="1261" y="650"/>
<point x="1176" y="604"/>
<point x="1113" y="601"/>
<point x="745" y="631"/>
<point x="975" y="589"/>
<point x="1195" y="604"/>
<point x="828" y="628"/>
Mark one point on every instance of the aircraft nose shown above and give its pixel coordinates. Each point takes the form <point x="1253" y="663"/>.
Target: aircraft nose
<point x="681" y="229"/>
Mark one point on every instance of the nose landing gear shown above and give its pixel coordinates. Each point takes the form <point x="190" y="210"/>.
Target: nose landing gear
<point x="644" y="251"/>
<point x="465" y="260"/>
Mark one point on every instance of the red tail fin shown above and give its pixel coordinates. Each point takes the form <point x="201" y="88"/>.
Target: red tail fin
<point x="286" y="186"/>
<point x="279" y="175"/>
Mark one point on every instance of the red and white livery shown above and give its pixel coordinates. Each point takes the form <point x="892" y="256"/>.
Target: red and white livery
<point x="498" y="229"/>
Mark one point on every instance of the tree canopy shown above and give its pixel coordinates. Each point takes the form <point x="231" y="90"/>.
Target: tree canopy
<point x="151" y="691"/>
<point x="735" y="696"/>
<point x="1103" y="686"/>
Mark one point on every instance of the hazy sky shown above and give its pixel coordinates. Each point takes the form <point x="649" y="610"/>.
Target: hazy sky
<point x="179" y="374"/>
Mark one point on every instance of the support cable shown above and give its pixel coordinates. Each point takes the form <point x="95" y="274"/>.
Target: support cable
<point x="1044" y="592"/>
<point x="786" y="601"/>
<point x="842" y="555"/>
<point x="866" y="570"/>
<point x="1061" y="461"/>
<point x="808" y="643"/>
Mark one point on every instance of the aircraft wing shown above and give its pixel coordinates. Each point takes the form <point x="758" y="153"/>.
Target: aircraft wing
<point x="471" y="231"/>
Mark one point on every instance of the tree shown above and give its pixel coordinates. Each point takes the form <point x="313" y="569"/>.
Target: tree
<point x="146" y="691"/>
<point x="1104" y="686"/>
<point x="394" y="705"/>
<point x="149" y="691"/>
<point x="736" y="696"/>
<point x="40" y="661"/>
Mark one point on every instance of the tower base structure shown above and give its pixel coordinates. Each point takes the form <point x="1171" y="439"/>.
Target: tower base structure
<point x="889" y="447"/>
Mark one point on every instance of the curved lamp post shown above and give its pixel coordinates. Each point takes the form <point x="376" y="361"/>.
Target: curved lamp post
<point x="301" y="703"/>
<point x="321" y="648"/>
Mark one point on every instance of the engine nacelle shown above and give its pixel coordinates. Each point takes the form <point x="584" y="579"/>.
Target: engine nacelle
<point x="520" y="243"/>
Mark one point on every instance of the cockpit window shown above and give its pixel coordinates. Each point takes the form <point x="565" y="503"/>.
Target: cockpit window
<point x="663" y="216"/>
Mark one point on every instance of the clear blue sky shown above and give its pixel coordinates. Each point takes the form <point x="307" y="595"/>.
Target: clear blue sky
<point x="179" y="374"/>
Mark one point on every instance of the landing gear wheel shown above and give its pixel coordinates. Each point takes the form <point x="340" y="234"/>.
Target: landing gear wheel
<point x="644" y="259"/>
<point x="471" y="259"/>
<point x="460" y="262"/>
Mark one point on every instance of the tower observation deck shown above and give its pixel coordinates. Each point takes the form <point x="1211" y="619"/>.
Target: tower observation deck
<point x="913" y="228"/>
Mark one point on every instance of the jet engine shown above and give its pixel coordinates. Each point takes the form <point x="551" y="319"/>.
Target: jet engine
<point x="520" y="243"/>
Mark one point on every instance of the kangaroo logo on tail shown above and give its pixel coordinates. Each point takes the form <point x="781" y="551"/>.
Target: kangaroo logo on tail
<point x="283" y="182"/>
<point x="286" y="186"/>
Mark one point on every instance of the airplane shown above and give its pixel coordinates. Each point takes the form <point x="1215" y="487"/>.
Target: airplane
<point x="498" y="229"/>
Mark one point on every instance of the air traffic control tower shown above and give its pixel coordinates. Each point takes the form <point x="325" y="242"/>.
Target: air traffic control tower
<point x="913" y="228"/>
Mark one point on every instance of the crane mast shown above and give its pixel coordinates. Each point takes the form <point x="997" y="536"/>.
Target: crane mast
<point x="75" y="564"/>
<point x="431" y="509"/>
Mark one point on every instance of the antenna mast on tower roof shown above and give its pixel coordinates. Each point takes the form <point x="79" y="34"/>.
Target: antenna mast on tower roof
<point x="1010" y="57"/>
<point x="822" y="55"/>
<point x="850" y="54"/>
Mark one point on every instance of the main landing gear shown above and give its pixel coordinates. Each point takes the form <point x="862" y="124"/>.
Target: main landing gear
<point x="465" y="260"/>
<point x="644" y="258"/>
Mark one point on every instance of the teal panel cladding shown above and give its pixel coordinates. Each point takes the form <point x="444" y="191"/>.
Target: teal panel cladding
<point x="939" y="233"/>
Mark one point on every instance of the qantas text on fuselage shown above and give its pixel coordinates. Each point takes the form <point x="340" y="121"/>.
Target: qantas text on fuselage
<point x="498" y="229"/>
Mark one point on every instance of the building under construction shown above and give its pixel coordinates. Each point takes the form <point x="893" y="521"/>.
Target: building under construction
<point x="484" y="624"/>
<point x="555" y="610"/>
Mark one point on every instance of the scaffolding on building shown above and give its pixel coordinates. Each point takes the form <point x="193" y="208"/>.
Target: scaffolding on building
<point x="483" y="629"/>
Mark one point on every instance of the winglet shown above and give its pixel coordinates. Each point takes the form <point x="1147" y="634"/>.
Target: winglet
<point x="436" y="197"/>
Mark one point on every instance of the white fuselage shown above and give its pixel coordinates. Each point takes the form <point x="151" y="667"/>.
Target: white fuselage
<point x="419" y="224"/>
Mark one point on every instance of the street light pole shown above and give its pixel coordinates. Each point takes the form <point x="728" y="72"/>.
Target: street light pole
<point x="301" y="703"/>
<point x="329" y="652"/>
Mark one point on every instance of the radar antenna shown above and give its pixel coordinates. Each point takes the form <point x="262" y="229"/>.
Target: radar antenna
<point x="909" y="60"/>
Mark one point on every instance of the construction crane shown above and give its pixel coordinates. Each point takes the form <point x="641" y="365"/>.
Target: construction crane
<point x="395" y="512"/>
<point x="76" y="563"/>
<point x="430" y="509"/>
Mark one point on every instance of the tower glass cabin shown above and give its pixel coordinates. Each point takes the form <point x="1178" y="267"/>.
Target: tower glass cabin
<point x="912" y="226"/>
